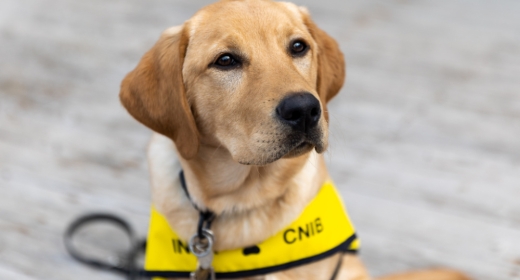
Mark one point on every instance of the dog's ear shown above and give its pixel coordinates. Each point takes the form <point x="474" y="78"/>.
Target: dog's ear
<point x="331" y="63"/>
<point x="154" y="93"/>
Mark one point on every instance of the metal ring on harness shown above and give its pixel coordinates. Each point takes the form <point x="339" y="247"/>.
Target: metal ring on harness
<point x="201" y="247"/>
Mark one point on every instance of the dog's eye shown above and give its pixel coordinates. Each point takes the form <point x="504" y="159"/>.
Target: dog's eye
<point x="226" y="61"/>
<point x="299" y="48"/>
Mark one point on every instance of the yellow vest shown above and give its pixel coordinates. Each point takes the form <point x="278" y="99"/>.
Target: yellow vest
<point x="323" y="229"/>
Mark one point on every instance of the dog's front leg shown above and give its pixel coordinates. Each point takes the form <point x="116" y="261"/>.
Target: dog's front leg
<point x="351" y="269"/>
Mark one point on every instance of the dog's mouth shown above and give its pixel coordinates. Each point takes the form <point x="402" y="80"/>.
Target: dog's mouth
<point x="289" y="146"/>
<point x="298" y="145"/>
<point x="299" y="149"/>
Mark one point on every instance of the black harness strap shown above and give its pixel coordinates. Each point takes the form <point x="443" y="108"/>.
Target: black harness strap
<point x="336" y="270"/>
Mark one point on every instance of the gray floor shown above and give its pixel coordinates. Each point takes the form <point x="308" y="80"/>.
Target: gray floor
<point x="425" y="135"/>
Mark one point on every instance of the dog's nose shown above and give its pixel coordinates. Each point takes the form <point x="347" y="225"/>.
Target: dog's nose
<point x="301" y="111"/>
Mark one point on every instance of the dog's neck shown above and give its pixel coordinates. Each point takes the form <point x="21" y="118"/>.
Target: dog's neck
<point x="220" y="184"/>
<point x="253" y="202"/>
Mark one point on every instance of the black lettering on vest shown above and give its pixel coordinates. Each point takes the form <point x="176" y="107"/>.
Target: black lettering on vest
<point x="285" y="238"/>
<point x="311" y="229"/>
<point x="183" y="246"/>
<point x="306" y="231"/>
<point x="319" y="226"/>
<point x="179" y="246"/>
<point x="174" y="246"/>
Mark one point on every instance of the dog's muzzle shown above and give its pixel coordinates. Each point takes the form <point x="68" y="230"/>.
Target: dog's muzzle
<point x="301" y="113"/>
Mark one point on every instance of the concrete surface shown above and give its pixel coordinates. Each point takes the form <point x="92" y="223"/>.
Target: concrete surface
<point x="425" y="135"/>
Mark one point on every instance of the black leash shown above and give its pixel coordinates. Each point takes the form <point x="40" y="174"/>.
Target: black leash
<point x="206" y="217"/>
<point x="126" y="264"/>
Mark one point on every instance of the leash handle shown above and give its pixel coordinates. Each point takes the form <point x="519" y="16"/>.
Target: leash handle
<point x="126" y="264"/>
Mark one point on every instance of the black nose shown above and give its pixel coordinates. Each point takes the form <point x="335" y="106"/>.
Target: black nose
<point x="301" y="111"/>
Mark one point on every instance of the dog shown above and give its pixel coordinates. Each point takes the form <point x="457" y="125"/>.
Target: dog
<point x="237" y="98"/>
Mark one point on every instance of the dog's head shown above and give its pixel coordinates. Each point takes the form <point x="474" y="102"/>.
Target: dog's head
<point x="251" y="76"/>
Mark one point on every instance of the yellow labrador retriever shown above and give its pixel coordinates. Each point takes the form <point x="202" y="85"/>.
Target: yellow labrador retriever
<point x="237" y="96"/>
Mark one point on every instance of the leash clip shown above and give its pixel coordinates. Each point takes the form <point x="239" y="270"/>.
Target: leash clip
<point x="202" y="248"/>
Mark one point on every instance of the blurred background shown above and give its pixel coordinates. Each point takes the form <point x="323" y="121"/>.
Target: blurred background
<point x="425" y="138"/>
